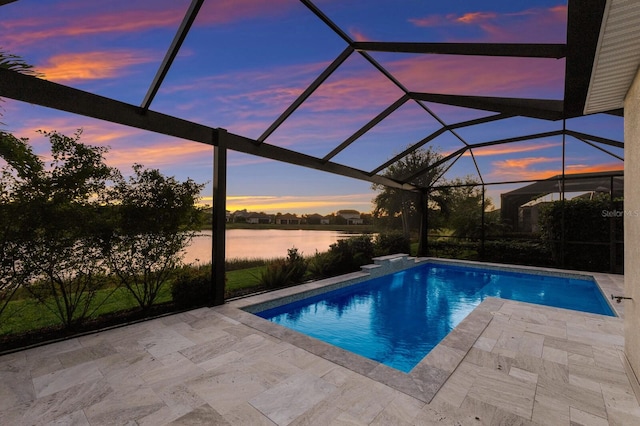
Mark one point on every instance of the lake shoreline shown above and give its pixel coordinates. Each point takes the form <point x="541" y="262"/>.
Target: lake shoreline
<point x="265" y="243"/>
<point x="351" y="229"/>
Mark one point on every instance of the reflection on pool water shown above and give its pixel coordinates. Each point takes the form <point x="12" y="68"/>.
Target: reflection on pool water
<point x="397" y="319"/>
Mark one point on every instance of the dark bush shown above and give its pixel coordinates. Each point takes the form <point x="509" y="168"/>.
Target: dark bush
<point x="344" y="256"/>
<point x="276" y="275"/>
<point x="190" y="289"/>
<point x="500" y="251"/>
<point x="391" y="243"/>
<point x="578" y="232"/>
<point x="587" y="257"/>
<point x="297" y="266"/>
<point x="535" y="253"/>
<point x="284" y="272"/>
<point x="454" y="249"/>
<point x="319" y="265"/>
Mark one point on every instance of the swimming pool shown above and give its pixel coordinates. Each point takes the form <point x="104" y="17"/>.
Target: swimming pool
<point x="399" y="318"/>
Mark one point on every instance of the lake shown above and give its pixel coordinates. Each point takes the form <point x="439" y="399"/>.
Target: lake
<point x="263" y="243"/>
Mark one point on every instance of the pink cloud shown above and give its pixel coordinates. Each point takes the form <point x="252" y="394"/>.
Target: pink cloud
<point x="300" y="204"/>
<point x="91" y="65"/>
<point x="246" y="102"/>
<point x="479" y="75"/>
<point x="513" y="148"/>
<point x="428" y="21"/>
<point x="249" y="101"/>
<point x="158" y="154"/>
<point x="541" y="24"/>
<point x="354" y="90"/>
<point x="127" y="145"/>
<point x="124" y="18"/>
<point x="274" y="86"/>
<point x="95" y="132"/>
<point x="473" y="17"/>
<point x="23" y="32"/>
<point x="358" y="35"/>
<point x="525" y="168"/>
<point x="226" y="11"/>
<point x="592" y="168"/>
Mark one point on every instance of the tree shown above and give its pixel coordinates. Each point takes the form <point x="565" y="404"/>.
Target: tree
<point x="16" y="64"/>
<point x="461" y="207"/>
<point x="64" y="227"/>
<point x="21" y="163"/>
<point x="339" y="220"/>
<point x="154" y="222"/>
<point x="406" y="205"/>
<point x="53" y="239"/>
<point x="580" y="232"/>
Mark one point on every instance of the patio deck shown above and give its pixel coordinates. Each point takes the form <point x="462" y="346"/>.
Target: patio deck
<point x="529" y="365"/>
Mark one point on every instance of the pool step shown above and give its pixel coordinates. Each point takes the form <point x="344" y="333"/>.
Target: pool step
<point x="384" y="265"/>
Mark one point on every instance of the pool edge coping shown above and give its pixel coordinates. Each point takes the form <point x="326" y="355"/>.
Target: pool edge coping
<point x="602" y="280"/>
<point x="422" y="382"/>
<point x="425" y="380"/>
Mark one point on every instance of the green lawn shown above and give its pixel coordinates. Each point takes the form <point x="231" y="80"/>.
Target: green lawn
<point x="243" y="279"/>
<point x="26" y="314"/>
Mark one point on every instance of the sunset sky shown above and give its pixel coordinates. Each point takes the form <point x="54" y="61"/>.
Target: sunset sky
<point x="245" y="61"/>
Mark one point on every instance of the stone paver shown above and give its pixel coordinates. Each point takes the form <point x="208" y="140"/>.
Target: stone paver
<point x="509" y="363"/>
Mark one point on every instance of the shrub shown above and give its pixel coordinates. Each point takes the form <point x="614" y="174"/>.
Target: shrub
<point x="456" y="249"/>
<point x="578" y="232"/>
<point x="190" y="288"/>
<point x="391" y="243"/>
<point x="344" y="256"/>
<point x="275" y="275"/>
<point x="155" y="218"/>
<point x="284" y="272"/>
<point x="296" y="265"/>
<point x="319" y="266"/>
<point x="501" y="251"/>
<point x="535" y="253"/>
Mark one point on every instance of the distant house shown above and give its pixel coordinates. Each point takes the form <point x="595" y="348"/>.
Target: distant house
<point x="351" y="216"/>
<point x="287" y="219"/>
<point x="256" y="218"/>
<point x="325" y="220"/>
<point x="314" y="219"/>
<point x="241" y="215"/>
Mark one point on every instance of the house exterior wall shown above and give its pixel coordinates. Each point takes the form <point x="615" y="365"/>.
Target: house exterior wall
<point x="632" y="224"/>
<point x="285" y="221"/>
<point x="352" y="217"/>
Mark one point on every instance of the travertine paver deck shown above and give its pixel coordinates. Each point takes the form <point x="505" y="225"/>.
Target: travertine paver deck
<point x="527" y="365"/>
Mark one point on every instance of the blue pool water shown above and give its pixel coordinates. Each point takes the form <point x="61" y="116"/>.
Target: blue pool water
<point x="397" y="319"/>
